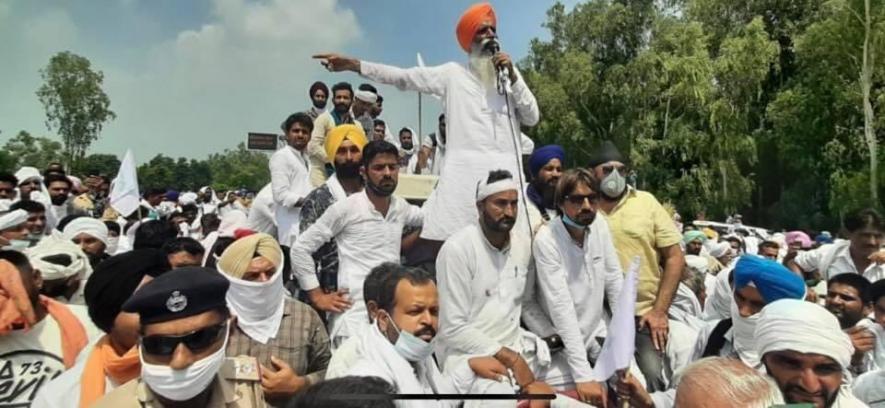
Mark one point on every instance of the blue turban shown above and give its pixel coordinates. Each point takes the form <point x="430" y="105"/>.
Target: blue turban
<point x="773" y="280"/>
<point x="542" y="155"/>
<point x="172" y="195"/>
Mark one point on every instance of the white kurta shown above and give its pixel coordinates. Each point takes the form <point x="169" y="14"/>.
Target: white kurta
<point x="481" y="135"/>
<point x="835" y="259"/>
<point x="290" y="182"/>
<point x="573" y="283"/>
<point x="365" y="240"/>
<point x="261" y="214"/>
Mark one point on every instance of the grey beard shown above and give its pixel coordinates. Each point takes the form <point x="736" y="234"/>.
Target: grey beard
<point x="482" y="66"/>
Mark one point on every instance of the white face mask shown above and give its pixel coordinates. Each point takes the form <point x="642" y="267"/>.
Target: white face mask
<point x="113" y="244"/>
<point x="744" y="336"/>
<point x="613" y="184"/>
<point x="17" y="245"/>
<point x="182" y="385"/>
<point x="409" y="346"/>
<point x="257" y="305"/>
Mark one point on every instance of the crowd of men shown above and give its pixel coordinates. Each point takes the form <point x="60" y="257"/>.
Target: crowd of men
<point x="326" y="289"/>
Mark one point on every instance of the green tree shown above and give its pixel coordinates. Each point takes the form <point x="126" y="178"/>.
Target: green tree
<point x="76" y="106"/>
<point x="239" y="168"/>
<point x="27" y="150"/>
<point x="99" y="164"/>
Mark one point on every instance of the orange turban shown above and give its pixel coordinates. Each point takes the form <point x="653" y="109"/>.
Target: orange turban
<point x="470" y="22"/>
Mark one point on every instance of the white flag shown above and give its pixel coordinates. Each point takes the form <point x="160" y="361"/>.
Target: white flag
<point x="124" y="196"/>
<point x="617" y="351"/>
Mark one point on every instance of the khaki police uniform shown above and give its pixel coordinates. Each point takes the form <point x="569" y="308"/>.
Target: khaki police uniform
<point x="237" y="385"/>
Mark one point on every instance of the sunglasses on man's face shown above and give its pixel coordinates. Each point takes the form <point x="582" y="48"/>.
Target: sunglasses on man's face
<point x="608" y="168"/>
<point x="196" y="341"/>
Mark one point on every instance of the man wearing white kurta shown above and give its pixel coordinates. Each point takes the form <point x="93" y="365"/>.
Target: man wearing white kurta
<point x="367" y="226"/>
<point x="483" y="126"/>
<point x="290" y="177"/>
<point x="482" y="272"/>
<point x="577" y="269"/>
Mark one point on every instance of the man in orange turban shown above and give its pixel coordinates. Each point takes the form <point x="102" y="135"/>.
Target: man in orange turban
<point x="482" y="119"/>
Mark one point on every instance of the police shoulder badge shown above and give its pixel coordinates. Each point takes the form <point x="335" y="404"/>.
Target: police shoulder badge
<point x="176" y="302"/>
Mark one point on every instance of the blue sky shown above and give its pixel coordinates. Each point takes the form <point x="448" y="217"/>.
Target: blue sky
<point x="190" y="78"/>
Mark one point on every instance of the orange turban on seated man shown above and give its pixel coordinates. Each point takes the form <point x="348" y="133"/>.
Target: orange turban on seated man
<point x="472" y="20"/>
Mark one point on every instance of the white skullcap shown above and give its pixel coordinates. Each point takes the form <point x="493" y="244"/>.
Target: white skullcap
<point x="697" y="263"/>
<point x="484" y="190"/>
<point x="803" y="327"/>
<point x="231" y="222"/>
<point x="77" y="183"/>
<point x="90" y="226"/>
<point x="365" y="96"/>
<point x="26" y="173"/>
<point x="13" y="219"/>
<point x="56" y="244"/>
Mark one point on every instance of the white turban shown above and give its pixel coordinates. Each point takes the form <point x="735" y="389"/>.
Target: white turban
<point x="719" y="249"/>
<point x="13" y="219"/>
<point x="187" y="198"/>
<point x="804" y="327"/>
<point x="55" y="244"/>
<point x="26" y="173"/>
<point x="86" y="225"/>
<point x="698" y="263"/>
<point x="365" y="96"/>
<point x="231" y="222"/>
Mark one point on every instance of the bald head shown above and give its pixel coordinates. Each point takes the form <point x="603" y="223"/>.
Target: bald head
<point x="722" y="382"/>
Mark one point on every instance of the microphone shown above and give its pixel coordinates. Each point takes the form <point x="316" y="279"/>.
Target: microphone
<point x="493" y="46"/>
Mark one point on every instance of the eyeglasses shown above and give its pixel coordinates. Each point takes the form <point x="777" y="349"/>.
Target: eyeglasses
<point x="195" y="341"/>
<point x="577" y="199"/>
<point x="608" y="168"/>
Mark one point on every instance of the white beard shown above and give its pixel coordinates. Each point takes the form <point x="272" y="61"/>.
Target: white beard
<point x="483" y="68"/>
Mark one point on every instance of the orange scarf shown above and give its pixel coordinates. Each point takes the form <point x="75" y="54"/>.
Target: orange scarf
<point x="104" y="361"/>
<point x="15" y="305"/>
<point x="73" y="334"/>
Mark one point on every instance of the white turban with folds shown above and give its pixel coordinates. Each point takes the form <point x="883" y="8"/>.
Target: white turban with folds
<point x="86" y="225"/>
<point x="45" y="257"/>
<point x="13" y="219"/>
<point x="804" y="327"/>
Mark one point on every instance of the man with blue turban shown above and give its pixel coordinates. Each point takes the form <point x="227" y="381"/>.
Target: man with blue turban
<point x="546" y="164"/>
<point x="757" y="282"/>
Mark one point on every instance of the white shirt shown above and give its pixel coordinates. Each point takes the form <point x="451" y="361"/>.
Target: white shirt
<point x="481" y="135"/>
<point x="290" y="182"/>
<point x="365" y="240"/>
<point x="836" y="259"/>
<point x="30" y="359"/>
<point x="481" y="293"/>
<point x="573" y="284"/>
<point x="870" y="388"/>
<point x="345" y="356"/>
<point x="261" y="215"/>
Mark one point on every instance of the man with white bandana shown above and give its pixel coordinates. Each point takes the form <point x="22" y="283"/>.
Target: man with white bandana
<point x="367" y="227"/>
<point x="36" y="219"/>
<point x="91" y="235"/>
<point x="63" y="266"/>
<point x="286" y="336"/>
<point x="14" y="230"/>
<point x="184" y="325"/>
<point x="483" y="123"/>
<point x="482" y="272"/>
<point x="803" y="348"/>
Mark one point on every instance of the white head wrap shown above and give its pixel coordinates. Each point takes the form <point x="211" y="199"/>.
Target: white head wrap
<point x="365" y="96"/>
<point x="698" y="263"/>
<point x="719" y="249"/>
<point x="231" y="222"/>
<point x="484" y="190"/>
<point x="26" y="173"/>
<point x="76" y="182"/>
<point x="91" y="226"/>
<point x="804" y="327"/>
<point x="187" y="198"/>
<point x="13" y="219"/>
<point x="56" y="244"/>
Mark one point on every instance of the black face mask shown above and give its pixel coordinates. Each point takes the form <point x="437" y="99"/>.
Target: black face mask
<point x="348" y="170"/>
<point x="319" y="104"/>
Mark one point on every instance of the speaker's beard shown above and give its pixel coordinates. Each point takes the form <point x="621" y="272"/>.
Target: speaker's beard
<point x="482" y="66"/>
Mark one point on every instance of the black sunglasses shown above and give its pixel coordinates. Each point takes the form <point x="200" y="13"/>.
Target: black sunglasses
<point x="577" y="199"/>
<point x="608" y="168"/>
<point x="195" y="341"/>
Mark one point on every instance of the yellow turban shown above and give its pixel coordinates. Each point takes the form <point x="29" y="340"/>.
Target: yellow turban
<point x="336" y="136"/>
<point x="236" y="258"/>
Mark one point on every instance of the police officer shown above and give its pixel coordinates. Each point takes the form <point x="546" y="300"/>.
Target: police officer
<point x="184" y="330"/>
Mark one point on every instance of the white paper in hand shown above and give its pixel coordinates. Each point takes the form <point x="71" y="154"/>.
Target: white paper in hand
<point x="617" y="352"/>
